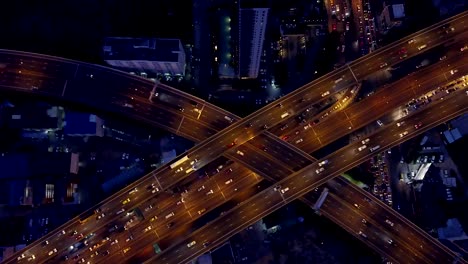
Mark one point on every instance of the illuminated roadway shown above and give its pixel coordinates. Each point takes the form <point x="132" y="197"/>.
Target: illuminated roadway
<point x="365" y="106"/>
<point x="306" y="180"/>
<point x="342" y="81"/>
<point x="376" y="96"/>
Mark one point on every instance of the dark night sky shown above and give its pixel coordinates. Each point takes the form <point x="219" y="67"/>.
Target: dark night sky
<point x="75" y="29"/>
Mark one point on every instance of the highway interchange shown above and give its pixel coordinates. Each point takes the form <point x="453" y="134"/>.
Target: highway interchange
<point x="278" y="112"/>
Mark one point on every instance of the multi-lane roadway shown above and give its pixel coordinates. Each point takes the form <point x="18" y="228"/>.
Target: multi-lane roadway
<point x="416" y="76"/>
<point x="307" y="179"/>
<point x="128" y="105"/>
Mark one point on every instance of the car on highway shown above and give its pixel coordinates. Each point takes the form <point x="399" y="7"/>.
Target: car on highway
<point x="307" y="126"/>
<point x="240" y="153"/>
<point x="411" y="41"/>
<point x="284" y="127"/>
<point x="403" y="134"/>
<point x="191" y="244"/>
<point x="325" y="93"/>
<point x="323" y="162"/>
<point x="464" y="48"/>
<point x="389" y="222"/>
<point x="52" y="251"/>
<point x="148" y="228"/>
<point x="126" y="250"/>
<point x="362" y="147"/>
<point x="169" y="225"/>
<point x="201" y="188"/>
<point x="418" y="125"/>
<point x="232" y="144"/>
<point x="228" y="181"/>
<point x="209" y="192"/>
<point x="299" y="141"/>
<point x="399" y="124"/>
<point x="126" y="201"/>
<point x="383" y="65"/>
<point x="365" y="141"/>
<point x="380" y="123"/>
<point x="284" y="190"/>
<point x="201" y="211"/>
<point x="318" y="171"/>
<point x="362" y="234"/>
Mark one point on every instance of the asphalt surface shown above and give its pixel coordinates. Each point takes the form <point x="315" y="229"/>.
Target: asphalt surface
<point x="138" y="107"/>
<point x="307" y="179"/>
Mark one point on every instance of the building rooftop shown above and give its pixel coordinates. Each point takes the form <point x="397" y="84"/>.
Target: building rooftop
<point x="150" y="49"/>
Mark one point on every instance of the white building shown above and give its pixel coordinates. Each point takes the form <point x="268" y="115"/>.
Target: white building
<point x="252" y="25"/>
<point x="146" y="55"/>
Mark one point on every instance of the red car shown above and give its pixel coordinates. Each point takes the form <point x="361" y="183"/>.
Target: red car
<point x="286" y="137"/>
<point x="231" y="145"/>
<point x="418" y="125"/>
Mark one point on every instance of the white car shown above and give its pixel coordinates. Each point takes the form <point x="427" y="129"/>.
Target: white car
<point x="389" y="222"/>
<point x="191" y="244"/>
<point x="52" y="251"/>
<point x="365" y="141"/>
<point x="299" y="141"/>
<point x="403" y="134"/>
<point x="228" y="181"/>
<point x="240" y="153"/>
<point x="400" y="123"/>
<point x="147" y="229"/>
<point x="323" y="162"/>
<point x="284" y="190"/>
<point x="318" y="171"/>
<point x="362" y="147"/>
<point x="201" y="211"/>
<point x="383" y="65"/>
<point x="325" y="93"/>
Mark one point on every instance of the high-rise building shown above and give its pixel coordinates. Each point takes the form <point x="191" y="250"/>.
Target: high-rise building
<point x="146" y="55"/>
<point x="252" y="25"/>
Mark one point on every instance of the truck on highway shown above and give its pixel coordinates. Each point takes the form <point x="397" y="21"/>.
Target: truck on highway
<point x="177" y="163"/>
<point x="374" y="148"/>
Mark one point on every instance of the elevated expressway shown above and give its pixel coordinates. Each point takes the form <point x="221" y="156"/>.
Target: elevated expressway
<point x="263" y="203"/>
<point x="97" y="76"/>
<point x="428" y="79"/>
